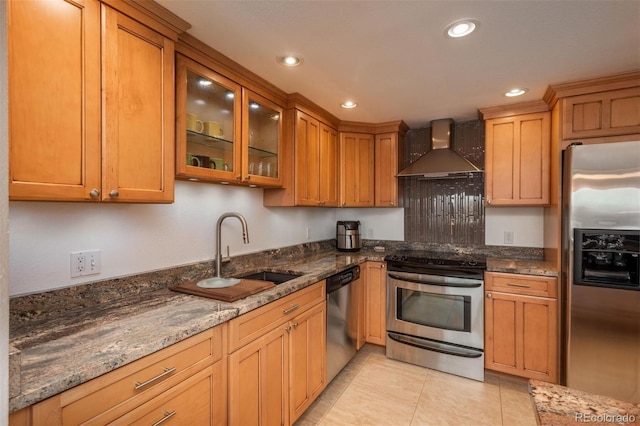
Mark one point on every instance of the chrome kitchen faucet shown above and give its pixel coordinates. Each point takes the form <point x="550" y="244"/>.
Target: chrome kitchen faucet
<point x="245" y="237"/>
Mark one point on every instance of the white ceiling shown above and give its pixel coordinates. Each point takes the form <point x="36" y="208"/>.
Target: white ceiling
<point x="392" y="58"/>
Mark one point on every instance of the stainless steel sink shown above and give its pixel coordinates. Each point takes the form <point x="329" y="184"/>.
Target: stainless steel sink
<point x="275" y="277"/>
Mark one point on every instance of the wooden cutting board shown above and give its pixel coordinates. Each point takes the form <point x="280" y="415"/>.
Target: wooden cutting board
<point x="239" y="291"/>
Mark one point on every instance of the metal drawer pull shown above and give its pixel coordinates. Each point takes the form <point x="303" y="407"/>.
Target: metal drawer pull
<point x="295" y="325"/>
<point x="288" y="329"/>
<point x="291" y="309"/>
<point x="166" y="372"/>
<point x="519" y="285"/>
<point x="166" y="417"/>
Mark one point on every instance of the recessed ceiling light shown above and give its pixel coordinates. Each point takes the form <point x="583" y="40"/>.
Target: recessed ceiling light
<point x="349" y="105"/>
<point x="516" y="92"/>
<point x="461" y="28"/>
<point x="289" y="60"/>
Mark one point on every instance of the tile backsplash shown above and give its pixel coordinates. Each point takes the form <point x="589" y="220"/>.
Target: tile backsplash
<point x="445" y="210"/>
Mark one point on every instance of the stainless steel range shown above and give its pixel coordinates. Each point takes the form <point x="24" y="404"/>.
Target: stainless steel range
<point x="435" y="311"/>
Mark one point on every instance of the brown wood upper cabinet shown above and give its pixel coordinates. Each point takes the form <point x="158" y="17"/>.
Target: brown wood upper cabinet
<point x="370" y="159"/>
<point x="388" y="158"/>
<point x="596" y="110"/>
<point x="91" y="115"/>
<point x="357" y="170"/>
<point x="225" y="132"/>
<point x="312" y="154"/>
<point x="611" y="113"/>
<point x="316" y="159"/>
<point x="517" y="160"/>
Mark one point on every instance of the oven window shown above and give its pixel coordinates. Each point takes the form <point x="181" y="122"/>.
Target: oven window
<point x="443" y="311"/>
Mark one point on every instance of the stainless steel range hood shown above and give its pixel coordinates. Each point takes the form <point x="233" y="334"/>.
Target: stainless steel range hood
<point x="441" y="161"/>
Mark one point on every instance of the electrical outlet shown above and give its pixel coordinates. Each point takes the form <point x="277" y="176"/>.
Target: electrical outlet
<point x="85" y="263"/>
<point x="508" y="237"/>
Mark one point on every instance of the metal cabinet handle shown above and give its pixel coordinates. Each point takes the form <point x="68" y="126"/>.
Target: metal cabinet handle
<point x="489" y="295"/>
<point x="290" y="309"/>
<point x="94" y="193"/>
<point x="114" y="193"/>
<point x="238" y="177"/>
<point x="519" y="285"/>
<point x="322" y="203"/>
<point x="247" y="177"/>
<point x="166" y="417"/>
<point x="166" y="372"/>
<point x="288" y="329"/>
<point x="295" y="325"/>
<point x="488" y="201"/>
<point x="392" y="203"/>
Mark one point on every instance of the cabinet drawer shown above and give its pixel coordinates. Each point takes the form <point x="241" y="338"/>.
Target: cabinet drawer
<point x="522" y="284"/>
<point x="248" y="327"/>
<point x="192" y="402"/>
<point x="103" y="399"/>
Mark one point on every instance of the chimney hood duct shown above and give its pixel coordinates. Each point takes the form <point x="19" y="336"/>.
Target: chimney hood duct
<point x="441" y="161"/>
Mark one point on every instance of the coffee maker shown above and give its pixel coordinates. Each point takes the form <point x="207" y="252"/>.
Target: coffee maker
<point x="348" y="235"/>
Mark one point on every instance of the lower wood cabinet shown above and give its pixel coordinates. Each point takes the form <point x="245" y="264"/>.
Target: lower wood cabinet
<point x="277" y="372"/>
<point x="357" y="322"/>
<point x="186" y="381"/>
<point x="307" y="359"/>
<point x="189" y="403"/>
<point x="521" y="325"/>
<point x="375" y="302"/>
<point x="258" y="380"/>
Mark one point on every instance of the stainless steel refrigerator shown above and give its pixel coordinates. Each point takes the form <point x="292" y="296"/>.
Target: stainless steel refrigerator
<point x="601" y="228"/>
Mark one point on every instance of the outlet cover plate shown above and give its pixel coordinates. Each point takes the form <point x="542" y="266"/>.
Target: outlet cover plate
<point x="85" y="263"/>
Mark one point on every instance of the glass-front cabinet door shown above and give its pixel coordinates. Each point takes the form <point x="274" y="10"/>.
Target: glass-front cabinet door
<point x="208" y="124"/>
<point x="262" y="133"/>
<point x="225" y="133"/>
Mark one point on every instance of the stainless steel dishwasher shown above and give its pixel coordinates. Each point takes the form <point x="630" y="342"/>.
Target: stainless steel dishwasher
<point x="341" y="321"/>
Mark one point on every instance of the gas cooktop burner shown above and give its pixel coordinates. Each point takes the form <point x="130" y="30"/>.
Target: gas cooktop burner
<point x="437" y="263"/>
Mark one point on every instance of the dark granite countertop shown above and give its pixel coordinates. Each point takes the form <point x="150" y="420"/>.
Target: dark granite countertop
<point x="62" y="338"/>
<point x="522" y="266"/>
<point x="558" y="405"/>
<point x="66" y="337"/>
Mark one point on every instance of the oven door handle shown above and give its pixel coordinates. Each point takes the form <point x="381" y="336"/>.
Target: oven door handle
<point x="435" y="346"/>
<point x="413" y="279"/>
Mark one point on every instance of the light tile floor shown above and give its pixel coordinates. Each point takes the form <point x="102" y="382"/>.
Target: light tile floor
<point x="374" y="390"/>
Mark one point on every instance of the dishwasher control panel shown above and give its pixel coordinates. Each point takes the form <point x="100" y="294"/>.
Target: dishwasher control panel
<point x="338" y="280"/>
